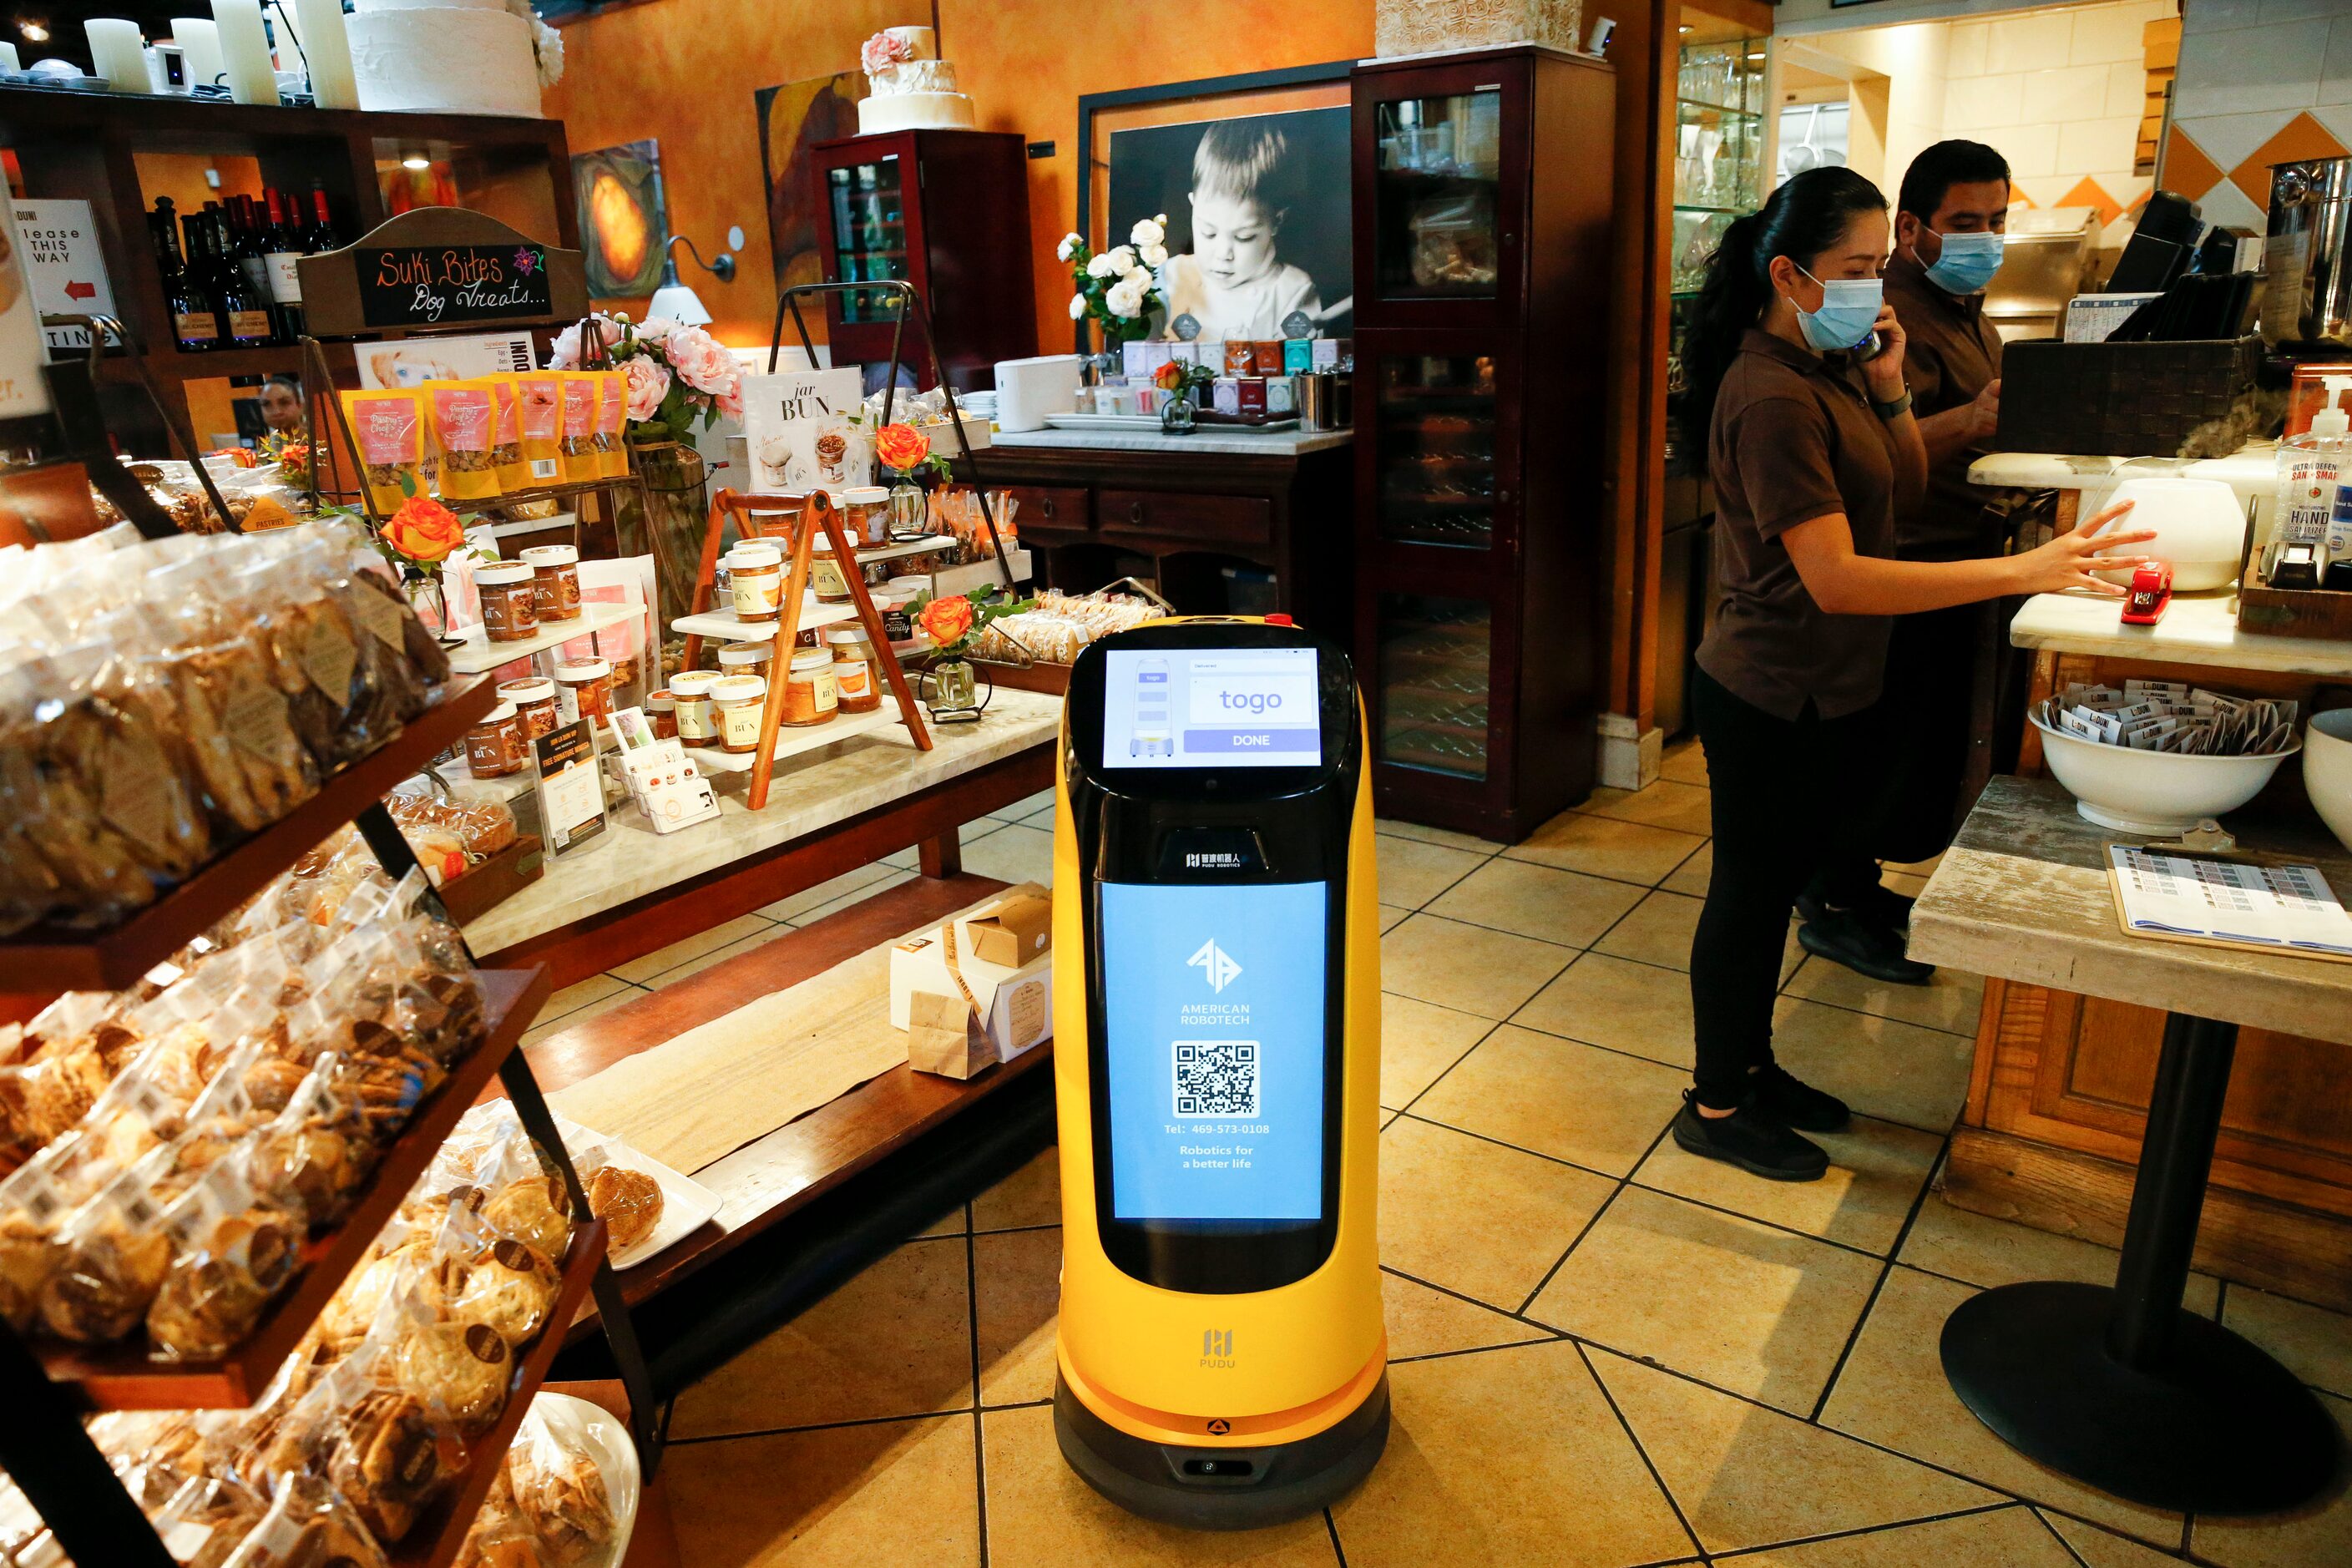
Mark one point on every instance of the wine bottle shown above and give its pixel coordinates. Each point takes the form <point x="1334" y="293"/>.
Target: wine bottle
<point x="321" y="234"/>
<point x="283" y="247"/>
<point x="194" y="328"/>
<point x="245" y="249"/>
<point x="244" y="318"/>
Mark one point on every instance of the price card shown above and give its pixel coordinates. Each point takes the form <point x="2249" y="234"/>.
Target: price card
<point x="571" y="791"/>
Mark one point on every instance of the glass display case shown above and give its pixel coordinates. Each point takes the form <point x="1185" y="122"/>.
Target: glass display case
<point x="869" y="232"/>
<point x="1438" y="160"/>
<point x="932" y="208"/>
<point x="1482" y="246"/>
<point x="1436" y="452"/>
<point x="1722" y="143"/>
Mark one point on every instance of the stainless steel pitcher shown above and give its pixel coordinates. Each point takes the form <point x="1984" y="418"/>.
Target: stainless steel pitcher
<point x="2308" y="290"/>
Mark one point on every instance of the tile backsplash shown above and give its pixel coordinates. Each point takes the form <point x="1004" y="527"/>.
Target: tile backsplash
<point x="2261" y="82"/>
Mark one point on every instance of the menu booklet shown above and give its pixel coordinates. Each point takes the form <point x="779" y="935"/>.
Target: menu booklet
<point x="2178" y="896"/>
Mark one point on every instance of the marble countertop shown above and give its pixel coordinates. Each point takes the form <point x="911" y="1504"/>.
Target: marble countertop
<point x="811" y="793"/>
<point x="2023" y="894"/>
<point x="2252" y="469"/>
<point x="1224" y="442"/>
<point x="2198" y="629"/>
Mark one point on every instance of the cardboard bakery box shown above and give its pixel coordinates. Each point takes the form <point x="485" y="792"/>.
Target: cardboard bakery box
<point x="1015" y="1002"/>
<point x="1014" y="931"/>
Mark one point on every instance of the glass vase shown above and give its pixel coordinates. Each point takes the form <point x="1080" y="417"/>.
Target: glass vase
<point x="1176" y="415"/>
<point x="951" y="691"/>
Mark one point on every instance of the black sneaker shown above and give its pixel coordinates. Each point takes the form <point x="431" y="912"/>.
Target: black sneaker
<point x="1750" y="1139"/>
<point x="1879" y="902"/>
<point x="1864" y="946"/>
<point x="1780" y="1093"/>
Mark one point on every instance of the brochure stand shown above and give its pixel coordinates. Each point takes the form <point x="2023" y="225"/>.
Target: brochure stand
<point x="814" y="513"/>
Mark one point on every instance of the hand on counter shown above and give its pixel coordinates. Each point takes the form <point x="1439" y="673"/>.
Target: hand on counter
<point x="2068" y="560"/>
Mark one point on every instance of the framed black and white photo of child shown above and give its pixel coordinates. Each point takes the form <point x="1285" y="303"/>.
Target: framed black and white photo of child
<point x="1253" y="177"/>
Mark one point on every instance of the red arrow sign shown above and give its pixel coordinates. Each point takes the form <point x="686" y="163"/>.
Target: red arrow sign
<point x="81" y="291"/>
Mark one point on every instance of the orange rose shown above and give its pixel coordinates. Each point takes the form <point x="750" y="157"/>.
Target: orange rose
<point x="902" y="446"/>
<point x="945" y="620"/>
<point x="1169" y="378"/>
<point x="424" y="530"/>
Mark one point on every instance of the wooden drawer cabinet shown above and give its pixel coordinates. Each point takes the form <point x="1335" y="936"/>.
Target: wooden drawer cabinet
<point x="1179" y="515"/>
<point x="1057" y="509"/>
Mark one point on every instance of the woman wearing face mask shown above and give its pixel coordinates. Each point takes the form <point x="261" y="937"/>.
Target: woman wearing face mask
<point x="1811" y="444"/>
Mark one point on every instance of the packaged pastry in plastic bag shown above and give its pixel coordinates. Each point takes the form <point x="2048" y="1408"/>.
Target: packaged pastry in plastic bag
<point x="31" y="1208"/>
<point x="309" y="1524"/>
<point x="465" y="433"/>
<point x="233" y="1251"/>
<point x="228" y="713"/>
<point x="112" y="1259"/>
<point x="314" y="1156"/>
<point x="205" y="1519"/>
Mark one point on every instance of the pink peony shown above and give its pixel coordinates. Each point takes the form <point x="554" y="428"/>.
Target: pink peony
<point x="565" y="354"/>
<point x="656" y="330"/>
<point x="731" y="402"/>
<point x="884" y="50"/>
<point x="648" y="384"/>
<point x="701" y="362"/>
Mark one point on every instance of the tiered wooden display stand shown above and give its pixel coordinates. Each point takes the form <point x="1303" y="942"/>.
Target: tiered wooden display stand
<point x="46" y="1387"/>
<point x="799" y="523"/>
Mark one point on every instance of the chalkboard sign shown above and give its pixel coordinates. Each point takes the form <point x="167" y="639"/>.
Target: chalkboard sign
<point x="449" y="285"/>
<point x="439" y="269"/>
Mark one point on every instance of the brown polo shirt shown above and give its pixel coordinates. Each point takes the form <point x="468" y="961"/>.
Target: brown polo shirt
<point x="1954" y="354"/>
<point x="1794" y="438"/>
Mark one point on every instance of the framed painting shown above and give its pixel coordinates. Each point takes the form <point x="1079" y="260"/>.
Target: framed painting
<point x="623" y="229"/>
<point x="793" y="117"/>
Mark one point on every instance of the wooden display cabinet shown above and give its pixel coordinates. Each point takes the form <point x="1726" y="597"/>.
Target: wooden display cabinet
<point x="2058" y="1102"/>
<point x="947" y="211"/>
<point x="1483" y="200"/>
<point x="105" y="148"/>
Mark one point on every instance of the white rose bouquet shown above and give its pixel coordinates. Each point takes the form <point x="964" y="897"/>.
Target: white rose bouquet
<point x="1117" y="288"/>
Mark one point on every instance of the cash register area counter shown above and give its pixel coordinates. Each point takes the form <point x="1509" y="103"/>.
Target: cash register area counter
<point x="2197" y="628"/>
<point x="2252" y="469"/>
<point x="815" y="794"/>
<point x="1214" y="440"/>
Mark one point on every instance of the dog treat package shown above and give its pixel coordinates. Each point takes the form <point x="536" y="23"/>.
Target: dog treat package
<point x="539" y="408"/>
<point x="583" y="392"/>
<point x="506" y="450"/>
<point x="465" y="437"/>
<point x="613" y="424"/>
<point x="395" y="447"/>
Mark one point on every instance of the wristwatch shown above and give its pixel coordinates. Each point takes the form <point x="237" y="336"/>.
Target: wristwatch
<point x="1894" y="410"/>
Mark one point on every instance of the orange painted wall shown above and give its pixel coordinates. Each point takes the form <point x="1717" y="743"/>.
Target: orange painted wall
<point x="683" y="71"/>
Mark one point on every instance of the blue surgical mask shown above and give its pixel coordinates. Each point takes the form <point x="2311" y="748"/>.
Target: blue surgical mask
<point x="1849" y="310"/>
<point x="1966" y="263"/>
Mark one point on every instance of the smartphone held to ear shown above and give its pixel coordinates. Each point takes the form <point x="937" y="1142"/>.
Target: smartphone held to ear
<point x="1870" y="348"/>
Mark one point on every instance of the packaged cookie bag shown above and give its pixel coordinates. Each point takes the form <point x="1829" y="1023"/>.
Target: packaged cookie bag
<point x="583" y="394"/>
<point x="506" y="448"/>
<point x="613" y="424"/>
<point x="540" y="410"/>
<point x="233" y="1250"/>
<point x="395" y="451"/>
<point x="464" y="434"/>
<point x="113" y="1254"/>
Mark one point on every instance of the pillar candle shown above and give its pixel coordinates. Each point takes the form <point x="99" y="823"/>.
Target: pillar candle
<point x="328" y="47"/>
<point x="245" y="51"/>
<point x="118" y="53"/>
<point x="200" y="54"/>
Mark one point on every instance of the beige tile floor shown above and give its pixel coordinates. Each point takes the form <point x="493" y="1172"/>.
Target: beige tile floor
<point x="1604" y="1352"/>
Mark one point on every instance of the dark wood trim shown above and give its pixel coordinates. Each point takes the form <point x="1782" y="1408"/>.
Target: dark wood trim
<point x="941" y="856"/>
<point x="2271" y="1244"/>
<point x="643" y="925"/>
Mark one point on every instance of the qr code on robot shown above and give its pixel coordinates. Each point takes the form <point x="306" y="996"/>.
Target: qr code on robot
<point x="1216" y="1077"/>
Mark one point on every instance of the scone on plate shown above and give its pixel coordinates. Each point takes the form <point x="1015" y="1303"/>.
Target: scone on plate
<point x="628" y="1202"/>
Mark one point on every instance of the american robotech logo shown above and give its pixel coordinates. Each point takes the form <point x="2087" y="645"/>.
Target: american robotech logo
<point x="1216" y="963"/>
<point x="1217" y="1347"/>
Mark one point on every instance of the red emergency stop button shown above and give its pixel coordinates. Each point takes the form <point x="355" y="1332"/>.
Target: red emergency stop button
<point x="1280" y="621"/>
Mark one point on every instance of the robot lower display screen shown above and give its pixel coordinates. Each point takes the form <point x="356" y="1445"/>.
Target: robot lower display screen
<point x="1214" y="1005"/>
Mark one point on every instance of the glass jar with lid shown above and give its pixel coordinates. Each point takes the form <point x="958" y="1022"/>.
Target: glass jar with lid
<point x="811" y="697"/>
<point x="534" y="703"/>
<point x="866" y="518"/>
<point x="737" y="704"/>
<point x="583" y="690"/>
<point x="747" y="658"/>
<point x="495" y="746"/>
<point x="755" y="576"/>
<point x="510" y="601"/>
<point x="857" y="674"/>
<point x="689" y="693"/>
<point x="555" y="580"/>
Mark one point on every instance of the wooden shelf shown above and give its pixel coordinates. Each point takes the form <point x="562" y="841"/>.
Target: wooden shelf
<point x="122" y="1377"/>
<point x="481" y="656"/>
<point x="792" y="740"/>
<point x="441" y="1530"/>
<point x="49" y="959"/>
<point x="721" y="625"/>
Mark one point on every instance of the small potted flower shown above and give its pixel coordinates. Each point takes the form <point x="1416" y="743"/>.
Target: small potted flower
<point x="1181" y="384"/>
<point x="905" y="453"/>
<point x="415" y="540"/>
<point x="950" y="625"/>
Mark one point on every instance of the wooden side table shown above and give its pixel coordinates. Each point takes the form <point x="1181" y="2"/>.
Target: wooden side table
<point x="2116" y="1385"/>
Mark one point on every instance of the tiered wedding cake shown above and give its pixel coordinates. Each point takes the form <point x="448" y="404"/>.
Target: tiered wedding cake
<point x="470" y="56"/>
<point x="913" y="88"/>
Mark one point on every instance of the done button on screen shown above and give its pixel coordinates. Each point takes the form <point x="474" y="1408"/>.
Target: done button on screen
<point x="1212" y="708"/>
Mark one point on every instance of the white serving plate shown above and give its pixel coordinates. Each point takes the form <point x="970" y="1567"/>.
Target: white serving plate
<point x="685" y="1203"/>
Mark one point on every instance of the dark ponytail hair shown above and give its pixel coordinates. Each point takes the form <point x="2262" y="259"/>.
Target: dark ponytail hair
<point x="1808" y="214"/>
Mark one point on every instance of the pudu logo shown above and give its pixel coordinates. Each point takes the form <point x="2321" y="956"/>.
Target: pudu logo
<point x="1216" y="1347"/>
<point x="1216" y="963"/>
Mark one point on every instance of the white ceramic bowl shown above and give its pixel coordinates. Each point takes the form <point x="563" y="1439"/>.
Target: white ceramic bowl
<point x="2153" y="791"/>
<point x="2199" y="526"/>
<point x="2327" y="769"/>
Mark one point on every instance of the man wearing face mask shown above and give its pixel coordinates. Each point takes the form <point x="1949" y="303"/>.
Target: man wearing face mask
<point x="1948" y="224"/>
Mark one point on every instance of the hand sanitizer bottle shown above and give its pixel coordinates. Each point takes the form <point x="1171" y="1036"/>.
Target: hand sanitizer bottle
<point x="2311" y="467"/>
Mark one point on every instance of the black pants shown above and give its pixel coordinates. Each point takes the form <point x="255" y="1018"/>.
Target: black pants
<point x="1788" y="798"/>
<point x="1930" y="713"/>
